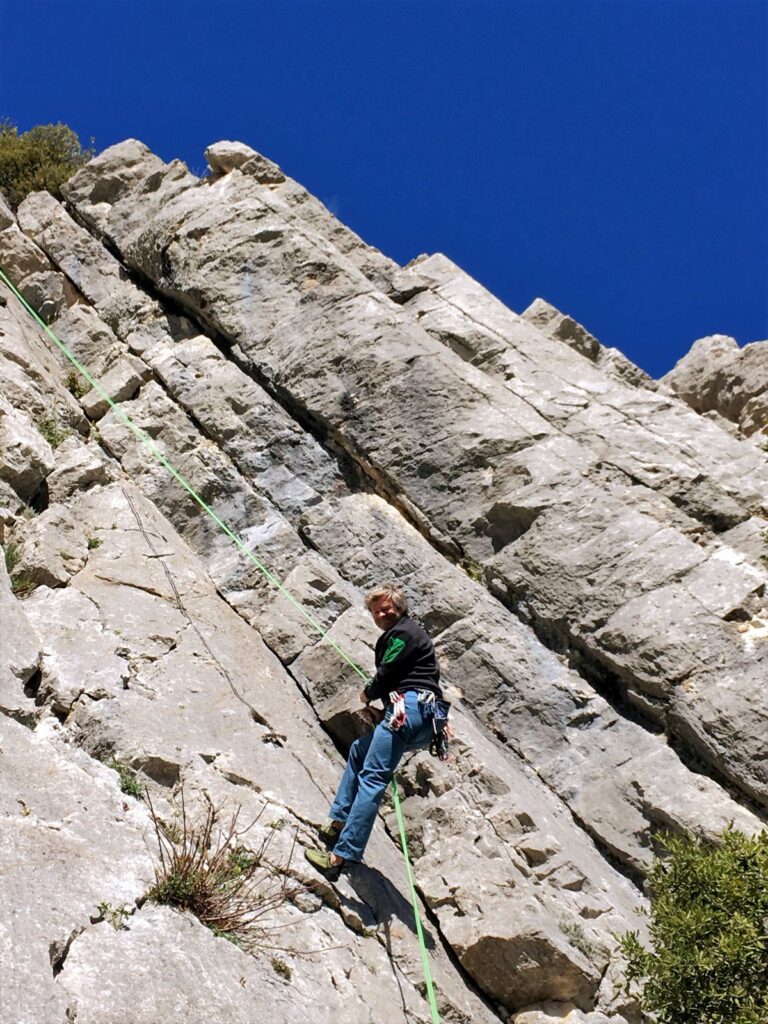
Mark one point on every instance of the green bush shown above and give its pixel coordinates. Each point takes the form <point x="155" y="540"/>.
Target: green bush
<point x="203" y="868"/>
<point x="709" y="932"/>
<point x="42" y="158"/>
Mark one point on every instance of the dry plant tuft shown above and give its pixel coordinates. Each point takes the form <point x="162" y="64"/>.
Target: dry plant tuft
<point x="204" y="868"/>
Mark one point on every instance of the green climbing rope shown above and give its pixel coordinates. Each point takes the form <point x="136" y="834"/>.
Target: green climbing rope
<point x="148" y="443"/>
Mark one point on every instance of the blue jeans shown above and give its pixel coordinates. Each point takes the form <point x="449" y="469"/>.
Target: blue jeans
<point x="371" y="764"/>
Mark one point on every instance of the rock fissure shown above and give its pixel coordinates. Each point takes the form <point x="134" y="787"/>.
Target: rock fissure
<point x="58" y="950"/>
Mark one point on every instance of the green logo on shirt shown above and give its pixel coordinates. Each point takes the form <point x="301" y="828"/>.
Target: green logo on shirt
<point x="394" y="646"/>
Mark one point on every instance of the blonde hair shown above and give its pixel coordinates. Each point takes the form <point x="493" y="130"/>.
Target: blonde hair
<point x="389" y="590"/>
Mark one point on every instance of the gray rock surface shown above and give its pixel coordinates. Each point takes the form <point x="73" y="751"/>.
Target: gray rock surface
<point x="588" y="553"/>
<point x="120" y="644"/>
<point x="121" y="381"/>
<point x="224" y="157"/>
<point x="19" y="652"/>
<point x="537" y="433"/>
<point x="717" y="376"/>
<point x="68" y="842"/>
<point x="213" y="980"/>
<point x="25" y="456"/>
<point x="610" y="360"/>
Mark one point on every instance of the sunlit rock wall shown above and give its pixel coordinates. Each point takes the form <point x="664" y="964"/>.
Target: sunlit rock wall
<point x="588" y="552"/>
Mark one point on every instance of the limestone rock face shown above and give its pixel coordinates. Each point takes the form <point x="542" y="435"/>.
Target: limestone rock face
<point x="541" y="439"/>
<point x="26" y="456"/>
<point x="612" y="362"/>
<point x="292" y="413"/>
<point x="717" y="376"/>
<point x="65" y="847"/>
<point x="224" y="157"/>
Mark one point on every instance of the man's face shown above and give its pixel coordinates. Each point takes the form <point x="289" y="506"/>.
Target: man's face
<point x="384" y="613"/>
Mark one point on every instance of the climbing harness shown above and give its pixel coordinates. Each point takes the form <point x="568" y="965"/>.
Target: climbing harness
<point x="433" y="709"/>
<point x="271" y="578"/>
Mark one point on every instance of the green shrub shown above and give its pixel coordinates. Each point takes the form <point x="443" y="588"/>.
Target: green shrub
<point x="42" y="158"/>
<point x="206" y="870"/>
<point x="709" y="932"/>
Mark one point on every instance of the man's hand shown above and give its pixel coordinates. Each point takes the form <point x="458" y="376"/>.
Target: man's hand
<point x="364" y="697"/>
<point x="372" y="715"/>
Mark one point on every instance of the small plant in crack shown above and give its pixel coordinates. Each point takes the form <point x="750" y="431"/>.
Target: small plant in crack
<point x="114" y="915"/>
<point x="94" y="542"/>
<point x="240" y="860"/>
<point x="53" y="432"/>
<point x="171" y="830"/>
<point x="473" y="569"/>
<point x="229" y="936"/>
<point x="12" y="556"/>
<point x="208" y="871"/>
<point x="281" y="968"/>
<point x="76" y="385"/>
<point x="22" y="584"/>
<point x="577" y="937"/>
<point x="129" y="780"/>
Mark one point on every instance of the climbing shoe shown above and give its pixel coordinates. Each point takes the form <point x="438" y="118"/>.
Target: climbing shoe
<point x="321" y="861"/>
<point x="329" y="834"/>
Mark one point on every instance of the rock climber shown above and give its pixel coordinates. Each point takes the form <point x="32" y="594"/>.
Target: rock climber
<point x="407" y="681"/>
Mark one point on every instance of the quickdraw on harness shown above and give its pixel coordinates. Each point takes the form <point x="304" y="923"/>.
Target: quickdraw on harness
<point x="437" y="711"/>
<point x="440" y="722"/>
<point x="397" y="700"/>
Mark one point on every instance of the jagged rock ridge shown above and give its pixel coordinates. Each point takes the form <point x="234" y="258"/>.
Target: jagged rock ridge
<point x="351" y="420"/>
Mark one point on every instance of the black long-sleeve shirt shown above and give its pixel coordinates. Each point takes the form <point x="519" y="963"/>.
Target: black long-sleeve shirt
<point x="405" y="660"/>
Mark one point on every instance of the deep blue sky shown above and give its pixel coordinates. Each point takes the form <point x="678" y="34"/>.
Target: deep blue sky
<point x="609" y="156"/>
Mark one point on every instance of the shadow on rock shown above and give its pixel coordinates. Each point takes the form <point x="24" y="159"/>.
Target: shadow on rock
<point x="384" y="900"/>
